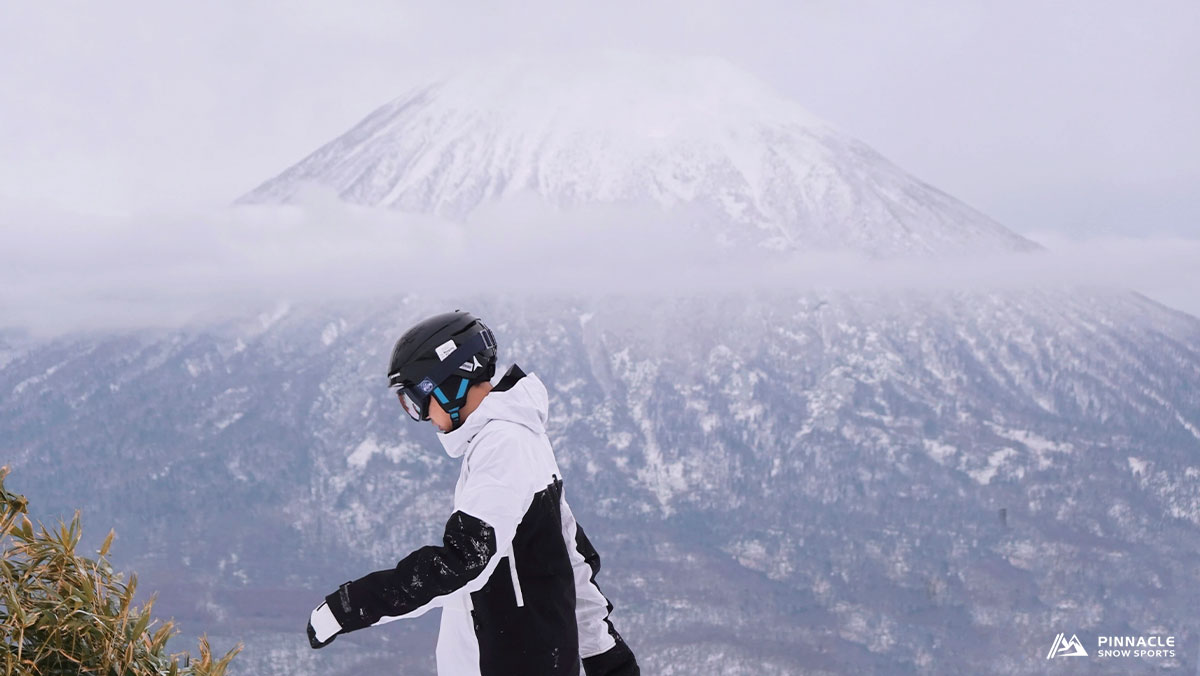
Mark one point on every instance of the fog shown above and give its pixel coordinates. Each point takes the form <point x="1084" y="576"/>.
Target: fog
<point x="66" y="272"/>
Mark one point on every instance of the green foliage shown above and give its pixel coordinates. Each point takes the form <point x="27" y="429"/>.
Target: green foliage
<point x="61" y="613"/>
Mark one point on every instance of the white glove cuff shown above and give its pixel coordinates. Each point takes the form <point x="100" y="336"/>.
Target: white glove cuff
<point x="324" y="624"/>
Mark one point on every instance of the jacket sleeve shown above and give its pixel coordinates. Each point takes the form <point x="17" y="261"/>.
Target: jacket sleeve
<point x="478" y="534"/>
<point x="616" y="661"/>
<point x="602" y="649"/>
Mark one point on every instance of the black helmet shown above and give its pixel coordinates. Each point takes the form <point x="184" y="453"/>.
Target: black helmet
<point x="441" y="356"/>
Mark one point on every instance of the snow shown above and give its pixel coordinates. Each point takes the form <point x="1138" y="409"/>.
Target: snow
<point x="359" y="457"/>
<point x="1137" y="465"/>
<point x="228" y="420"/>
<point x="361" y="454"/>
<point x="995" y="462"/>
<point x="939" y="451"/>
<point x="747" y="412"/>
<point x="678" y="135"/>
<point x="268" y="319"/>
<point x="620" y="440"/>
<point x="1032" y="440"/>
<point x="1024" y="554"/>
<point x="1040" y="446"/>
<point x="20" y="387"/>
<point x="331" y="332"/>
<point x="570" y="385"/>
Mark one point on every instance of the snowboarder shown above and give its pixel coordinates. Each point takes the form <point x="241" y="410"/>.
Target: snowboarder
<point x="515" y="574"/>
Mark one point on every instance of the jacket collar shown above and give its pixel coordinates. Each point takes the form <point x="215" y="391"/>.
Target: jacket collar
<point x="497" y="404"/>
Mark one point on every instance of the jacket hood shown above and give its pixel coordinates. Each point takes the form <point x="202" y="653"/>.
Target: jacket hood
<point x="518" y="397"/>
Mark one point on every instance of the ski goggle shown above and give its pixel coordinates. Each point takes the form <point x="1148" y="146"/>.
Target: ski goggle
<point x="417" y="409"/>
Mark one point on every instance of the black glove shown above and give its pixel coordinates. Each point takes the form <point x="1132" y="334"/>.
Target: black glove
<point x="327" y="627"/>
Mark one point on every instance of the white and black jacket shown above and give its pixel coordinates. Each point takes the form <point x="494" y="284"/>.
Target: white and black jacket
<point x="515" y="575"/>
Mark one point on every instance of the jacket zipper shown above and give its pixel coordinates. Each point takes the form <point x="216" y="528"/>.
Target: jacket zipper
<point x="516" y="581"/>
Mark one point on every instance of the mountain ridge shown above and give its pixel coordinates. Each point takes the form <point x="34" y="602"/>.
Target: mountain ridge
<point x="712" y="139"/>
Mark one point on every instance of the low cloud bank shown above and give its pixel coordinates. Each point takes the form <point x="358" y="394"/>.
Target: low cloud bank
<point x="64" y="272"/>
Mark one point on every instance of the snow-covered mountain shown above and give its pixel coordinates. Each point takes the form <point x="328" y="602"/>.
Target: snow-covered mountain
<point x="807" y="483"/>
<point x="693" y="135"/>
<point x="801" y="481"/>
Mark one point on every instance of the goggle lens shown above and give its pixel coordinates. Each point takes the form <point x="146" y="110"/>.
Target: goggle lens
<point x="410" y="405"/>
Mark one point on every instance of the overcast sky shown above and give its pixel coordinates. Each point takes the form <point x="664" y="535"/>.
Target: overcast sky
<point x="1074" y="117"/>
<point x="126" y="127"/>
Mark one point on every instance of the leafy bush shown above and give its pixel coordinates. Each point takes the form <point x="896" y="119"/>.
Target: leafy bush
<point x="61" y="613"/>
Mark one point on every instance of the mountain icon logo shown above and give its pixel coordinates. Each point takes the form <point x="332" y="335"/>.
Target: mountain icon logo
<point x="1062" y="648"/>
